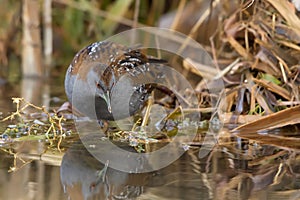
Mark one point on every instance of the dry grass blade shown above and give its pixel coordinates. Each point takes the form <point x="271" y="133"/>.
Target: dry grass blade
<point x="287" y="33"/>
<point x="290" y="44"/>
<point x="227" y="69"/>
<point x="242" y="119"/>
<point x="279" y="141"/>
<point x="239" y="48"/>
<point x="274" y="88"/>
<point x="179" y="12"/>
<point x="262" y="101"/>
<point x="204" y="71"/>
<point x="195" y="28"/>
<point x="282" y="118"/>
<point x="227" y="102"/>
<point x="285" y="10"/>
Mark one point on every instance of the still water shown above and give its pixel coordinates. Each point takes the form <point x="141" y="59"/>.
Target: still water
<point x="235" y="168"/>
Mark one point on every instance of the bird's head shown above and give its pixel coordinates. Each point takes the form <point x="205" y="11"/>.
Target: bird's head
<point x="102" y="84"/>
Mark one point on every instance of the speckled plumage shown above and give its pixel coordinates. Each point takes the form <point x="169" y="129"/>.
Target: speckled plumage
<point x="97" y="68"/>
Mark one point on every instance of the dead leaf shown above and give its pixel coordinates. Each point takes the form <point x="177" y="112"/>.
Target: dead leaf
<point x="289" y="116"/>
<point x="283" y="8"/>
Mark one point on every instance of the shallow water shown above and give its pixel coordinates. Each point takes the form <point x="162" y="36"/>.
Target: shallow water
<point x="235" y="168"/>
<point x="225" y="173"/>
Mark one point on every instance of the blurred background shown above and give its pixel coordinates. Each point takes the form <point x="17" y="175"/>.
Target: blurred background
<point x="40" y="38"/>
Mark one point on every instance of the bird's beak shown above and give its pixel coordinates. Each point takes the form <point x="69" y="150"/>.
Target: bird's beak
<point x="106" y="98"/>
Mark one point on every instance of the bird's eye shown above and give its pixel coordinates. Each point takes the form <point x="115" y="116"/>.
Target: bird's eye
<point x="98" y="85"/>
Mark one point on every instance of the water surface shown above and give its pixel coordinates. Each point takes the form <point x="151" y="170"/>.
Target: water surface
<point x="235" y="168"/>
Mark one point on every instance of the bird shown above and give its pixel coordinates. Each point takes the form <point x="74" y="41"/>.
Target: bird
<point x="97" y="68"/>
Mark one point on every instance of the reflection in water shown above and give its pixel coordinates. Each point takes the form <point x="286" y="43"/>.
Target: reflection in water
<point x="224" y="174"/>
<point x="84" y="177"/>
<point x="253" y="172"/>
<point x="80" y="175"/>
<point x="35" y="180"/>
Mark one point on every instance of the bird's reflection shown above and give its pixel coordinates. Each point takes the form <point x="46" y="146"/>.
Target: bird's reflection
<point x="84" y="177"/>
<point x="222" y="173"/>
